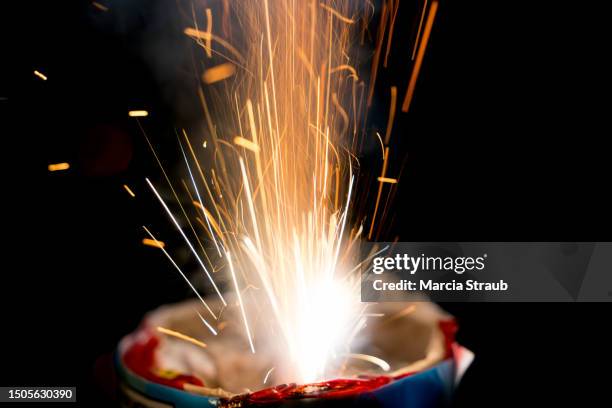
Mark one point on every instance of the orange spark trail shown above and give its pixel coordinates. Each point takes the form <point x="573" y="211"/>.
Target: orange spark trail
<point x="218" y="73"/>
<point x="40" y="75"/>
<point x="379" y="42"/>
<point x="138" y="113"/>
<point x="59" y="166"/>
<point x="419" y="59"/>
<point x="380" y="187"/>
<point x="181" y="336"/>
<point x="418" y="36"/>
<point x="153" y="243"/>
<point x="129" y="190"/>
<point x="392" y="106"/>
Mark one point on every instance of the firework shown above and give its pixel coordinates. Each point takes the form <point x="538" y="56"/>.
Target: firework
<point x="283" y="132"/>
<point x="273" y="188"/>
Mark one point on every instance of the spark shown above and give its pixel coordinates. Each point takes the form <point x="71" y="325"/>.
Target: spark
<point x="153" y="243"/>
<point x="182" y="274"/>
<point x="213" y="331"/>
<point x="59" y="166"/>
<point x="202" y="35"/>
<point x="129" y="190"/>
<point x="342" y="112"/>
<point x="240" y="302"/>
<point x="375" y="60"/>
<point x="99" y="6"/>
<point x="347" y="68"/>
<point x="218" y="73"/>
<point x="210" y="220"/>
<point x="344" y="216"/>
<point x="418" y="36"/>
<point x="370" y="359"/>
<point x="178" y="227"/>
<point x="382" y="145"/>
<point x="392" y="106"/>
<point x="369" y="257"/>
<point x="40" y="75"/>
<point x="209" y="24"/>
<point x="337" y="14"/>
<point x="419" y="58"/>
<point x="165" y="174"/>
<point x="380" y="187"/>
<point x="181" y="336"/>
<point x="247" y="144"/>
<point x="199" y="198"/>
<point x="247" y="188"/>
<point x="394" y="7"/>
<point x="138" y="113"/>
<point x="387" y="180"/>
<point x="268" y="375"/>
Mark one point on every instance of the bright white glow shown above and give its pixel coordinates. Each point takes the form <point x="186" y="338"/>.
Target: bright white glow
<point x="321" y="326"/>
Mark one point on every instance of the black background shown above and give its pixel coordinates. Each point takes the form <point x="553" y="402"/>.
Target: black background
<point x="506" y="140"/>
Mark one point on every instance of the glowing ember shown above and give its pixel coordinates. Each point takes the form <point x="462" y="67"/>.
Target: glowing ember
<point x="40" y="75"/>
<point x="59" y="166"/>
<point x="153" y="243"/>
<point x="129" y="190"/>
<point x="138" y="113"/>
<point x="387" y="180"/>
<point x="218" y="73"/>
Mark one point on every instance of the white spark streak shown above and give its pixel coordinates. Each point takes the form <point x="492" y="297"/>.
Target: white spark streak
<point x="206" y="323"/>
<point x="371" y="359"/>
<point x="268" y="375"/>
<point x="240" y="302"/>
<point x="182" y="274"/>
<point x="178" y="227"/>
<point x="212" y="234"/>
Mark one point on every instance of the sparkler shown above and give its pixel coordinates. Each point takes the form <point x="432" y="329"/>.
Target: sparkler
<point x="278" y="183"/>
<point x="282" y="220"/>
